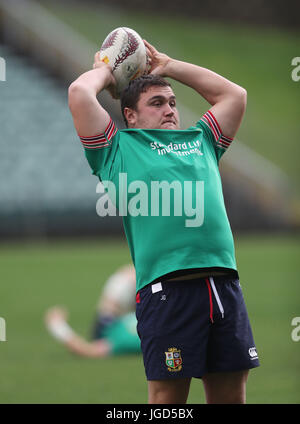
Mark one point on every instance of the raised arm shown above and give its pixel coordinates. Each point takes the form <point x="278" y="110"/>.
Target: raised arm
<point x="89" y="117"/>
<point x="228" y="100"/>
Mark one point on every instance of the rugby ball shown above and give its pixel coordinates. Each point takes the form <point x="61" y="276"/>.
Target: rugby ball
<point x="124" y="50"/>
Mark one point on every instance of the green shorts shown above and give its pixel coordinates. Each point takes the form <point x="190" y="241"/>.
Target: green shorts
<point x="122" y="335"/>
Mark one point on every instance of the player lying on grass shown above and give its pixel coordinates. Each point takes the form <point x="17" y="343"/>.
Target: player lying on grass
<point x="114" y="330"/>
<point x="192" y="319"/>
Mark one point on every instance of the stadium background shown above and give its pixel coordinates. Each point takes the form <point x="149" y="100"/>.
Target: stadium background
<point x="56" y="250"/>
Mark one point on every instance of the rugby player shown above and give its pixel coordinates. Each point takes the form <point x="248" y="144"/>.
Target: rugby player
<point x="192" y="318"/>
<point x="114" y="329"/>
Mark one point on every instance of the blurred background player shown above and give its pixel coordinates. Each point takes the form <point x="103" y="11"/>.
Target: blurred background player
<point x="114" y="329"/>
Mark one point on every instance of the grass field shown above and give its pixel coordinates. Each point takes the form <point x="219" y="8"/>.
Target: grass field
<point x="36" y="369"/>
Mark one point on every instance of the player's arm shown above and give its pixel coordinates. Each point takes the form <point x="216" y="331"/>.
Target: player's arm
<point x="55" y="320"/>
<point x="89" y="116"/>
<point x="228" y="100"/>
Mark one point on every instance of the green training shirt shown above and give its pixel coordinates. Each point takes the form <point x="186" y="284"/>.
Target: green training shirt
<point x="122" y="335"/>
<point x="167" y="187"/>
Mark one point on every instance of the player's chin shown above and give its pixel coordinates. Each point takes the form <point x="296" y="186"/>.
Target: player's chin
<point x="169" y="126"/>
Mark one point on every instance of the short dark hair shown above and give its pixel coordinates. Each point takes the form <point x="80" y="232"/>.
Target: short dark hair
<point x="131" y="94"/>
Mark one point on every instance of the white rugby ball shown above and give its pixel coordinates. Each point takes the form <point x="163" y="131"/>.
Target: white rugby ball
<point x="124" y="50"/>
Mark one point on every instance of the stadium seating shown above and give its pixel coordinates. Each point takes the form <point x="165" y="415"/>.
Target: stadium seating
<point x="46" y="183"/>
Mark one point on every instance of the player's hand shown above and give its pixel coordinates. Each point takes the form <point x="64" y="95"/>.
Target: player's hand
<point x="157" y="61"/>
<point x="110" y="79"/>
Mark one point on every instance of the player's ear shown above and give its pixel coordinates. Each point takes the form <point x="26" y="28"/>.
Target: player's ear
<point x="131" y="116"/>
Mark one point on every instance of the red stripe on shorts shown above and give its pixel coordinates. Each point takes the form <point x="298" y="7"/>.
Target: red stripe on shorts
<point x="210" y="300"/>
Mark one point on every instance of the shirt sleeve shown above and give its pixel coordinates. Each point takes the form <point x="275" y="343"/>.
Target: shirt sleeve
<point x="100" y="149"/>
<point x="213" y="132"/>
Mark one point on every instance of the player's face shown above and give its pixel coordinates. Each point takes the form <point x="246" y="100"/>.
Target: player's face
<point x="156" y="109"/>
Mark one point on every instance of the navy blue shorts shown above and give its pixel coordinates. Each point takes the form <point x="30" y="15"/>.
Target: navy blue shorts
<point x="192" y="327"/>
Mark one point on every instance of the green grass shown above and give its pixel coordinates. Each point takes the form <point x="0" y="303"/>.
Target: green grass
<point x="257" y="58"/>
<point x="36" y="369"/>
